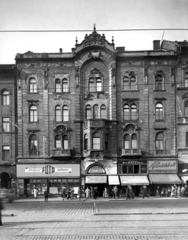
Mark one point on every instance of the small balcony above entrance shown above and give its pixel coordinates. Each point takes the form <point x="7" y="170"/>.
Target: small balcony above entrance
<point x="61" y="152"/>
<point x="131" y="152"/>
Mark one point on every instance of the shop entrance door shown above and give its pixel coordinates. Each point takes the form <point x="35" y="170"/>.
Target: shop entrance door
<point x="5" y="180"/>
<point x="100" y="188"/>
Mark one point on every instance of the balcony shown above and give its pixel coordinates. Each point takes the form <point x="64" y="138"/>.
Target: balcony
<point x="33" y="153"/>
<point x="131" y="152"/>
<point x="61" y="152"/>
<point x="161" y="152"/>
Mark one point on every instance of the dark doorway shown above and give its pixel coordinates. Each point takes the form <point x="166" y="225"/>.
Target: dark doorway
<point x="5" y="180"/>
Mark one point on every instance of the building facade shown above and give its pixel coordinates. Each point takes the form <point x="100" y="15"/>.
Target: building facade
<point x="7" y="129"/>
<point x="100" y="116"/>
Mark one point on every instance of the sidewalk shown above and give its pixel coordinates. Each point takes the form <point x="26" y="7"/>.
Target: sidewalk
<point x="101" y="199"/>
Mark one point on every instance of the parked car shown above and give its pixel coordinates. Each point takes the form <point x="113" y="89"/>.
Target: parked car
<point x="7" y="195"/>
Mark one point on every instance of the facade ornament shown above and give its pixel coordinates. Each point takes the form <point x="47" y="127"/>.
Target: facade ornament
<point x="46" y="78"/>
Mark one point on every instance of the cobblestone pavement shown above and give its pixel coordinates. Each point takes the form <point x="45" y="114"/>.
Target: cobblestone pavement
<point x="138" y="219"/>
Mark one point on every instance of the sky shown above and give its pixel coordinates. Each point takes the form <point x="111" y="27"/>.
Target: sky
<point x="81" y="15"/>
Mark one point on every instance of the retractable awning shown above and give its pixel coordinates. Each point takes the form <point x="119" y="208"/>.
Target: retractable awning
<point x="96" y="179"/>
<point x="164" y="179"/>
<point x="134" y="180"/>
<point x="184" y="179"/>
<point x="113" y="180"/>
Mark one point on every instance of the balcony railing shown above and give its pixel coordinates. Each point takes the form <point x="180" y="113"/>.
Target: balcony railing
<point x="131" y="152"/>
<point x="161" y="152"/>
<point x="33" y="153"/>
<point x="62" y="152"/>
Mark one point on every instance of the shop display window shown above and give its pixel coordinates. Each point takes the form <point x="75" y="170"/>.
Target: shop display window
<point x="134" y="169"/>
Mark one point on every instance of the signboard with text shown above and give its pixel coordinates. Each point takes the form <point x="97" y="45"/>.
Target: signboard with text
<point x="162" y="166"/>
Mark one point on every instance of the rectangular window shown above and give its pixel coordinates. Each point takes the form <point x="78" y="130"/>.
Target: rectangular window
<point x="186" y="79"/>
<point x="186" y="139"/>
<point x="6" y="153"/>
<point x="136" y="169"/>
<point x="144" y="168"/>
<point x="96" y="143"/>
<point x="6" y="125"/>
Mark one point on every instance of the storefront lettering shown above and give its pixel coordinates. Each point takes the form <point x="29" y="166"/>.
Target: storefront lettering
<point x="47" y="170"/>
<point x="162" y="165"/>
<point x="63" y="170"/>
<point x="33" y="170"/>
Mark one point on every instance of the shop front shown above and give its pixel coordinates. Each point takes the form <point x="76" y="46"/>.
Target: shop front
<point x="133" y="173"/>
<point x="51" y="177"/>
<point x="162" y="175"/>
<point x="183" y="171"/>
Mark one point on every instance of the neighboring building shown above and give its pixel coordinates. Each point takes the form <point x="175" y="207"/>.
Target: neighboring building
<point x="182" y="109"/>
<point x="100" y="116"/>
<point x="7" y="129"/>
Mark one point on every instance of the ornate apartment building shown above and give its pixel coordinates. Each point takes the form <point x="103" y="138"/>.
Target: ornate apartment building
<point x="99" y="116"/>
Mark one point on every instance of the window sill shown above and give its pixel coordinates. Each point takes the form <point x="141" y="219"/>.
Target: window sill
<point x="130" y="90"/>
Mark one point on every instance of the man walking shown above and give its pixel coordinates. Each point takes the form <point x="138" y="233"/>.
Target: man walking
<point x="46" y="194"/>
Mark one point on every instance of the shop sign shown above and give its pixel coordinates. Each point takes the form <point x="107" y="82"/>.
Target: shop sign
<point x="162" y="166"/>
<point x="44" y="170"/>
<point x="53" y="190"/>
<point x="47" y="170"/>
<point x="135" y="162"/>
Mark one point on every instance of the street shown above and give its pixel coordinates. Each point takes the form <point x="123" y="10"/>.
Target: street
<point x="100" y="219"/>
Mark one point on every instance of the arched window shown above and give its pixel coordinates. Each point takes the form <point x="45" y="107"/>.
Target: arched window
<point x="186" y="109"/>
<point x="65" y="114"/>
<point x="58" y="114"/>
<point x="58" y="141"/>
<point x="126" y="141"/>
<point x="33" y="145"/>
<point x="32" y="85"/>
<point x="6" y="98"/>
<point x="158" y="82"/>
<point x="33" y="114"/>
<point x="88" y="112"/>
<point x="126" y="112"/>
<point x="99" y="84"/>
<point x="125" y="83"/>
<point x="133" y="83"/>
<point x="57" y="85"/>
<point x="106" y="141"/>
<point x="103" y="112"/>
<point x="65" y="142"/>
<point x="159" y="141"/>
<point x="134" y="143"/>
<point x="95" y="112"/>
<point x="85" y="142"/>
<point x="159" y="112"/>
<point x="91" y="85"/>
<point x="65" y="85"/>
<point x="96" y="141"/>
<point x="134" y="115"/>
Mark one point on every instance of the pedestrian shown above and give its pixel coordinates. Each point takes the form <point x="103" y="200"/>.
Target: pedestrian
<point x="172" y="191"/>
<point x="46" y="194"/>
<point x="178" y="191"/>
<point x="105" y="193"/>
<point x="115" y="192"/>
<point x="1" y="208"/>
<point x="69" y="194"/>
<point x="87" y="192"/>
<point x="78" y="195"/>
<point x="183" y="191"/>
<point x="129" y="193"/>
<point x="63" y="193"/>
<point x="145" y="194"/>
<point x="95" y="192"/>
<point x="157" y="192"/>
<point x="35" y="191"/>
<point x="72" y="193"/>
<point x="92" y="192"/>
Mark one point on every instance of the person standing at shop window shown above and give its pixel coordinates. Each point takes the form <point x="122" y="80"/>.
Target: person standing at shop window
<point x="46" y="194"/>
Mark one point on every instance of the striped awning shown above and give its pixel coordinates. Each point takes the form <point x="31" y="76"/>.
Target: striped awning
<point x="96" y="179"/>
<point x="164" y="179"/>
<point x="134" y="180"/>
<point x="113" y="180"/>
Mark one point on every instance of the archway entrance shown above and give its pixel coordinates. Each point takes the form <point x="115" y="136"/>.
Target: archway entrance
<point x="5" y="180"/>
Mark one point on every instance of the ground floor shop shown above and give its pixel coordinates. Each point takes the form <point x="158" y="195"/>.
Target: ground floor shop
<point x="54" y="178"/>
<point x="7" y="176"/>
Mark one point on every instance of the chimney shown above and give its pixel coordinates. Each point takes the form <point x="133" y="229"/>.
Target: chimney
<point x="156" y="45"/>
<point x="60" y="50"/>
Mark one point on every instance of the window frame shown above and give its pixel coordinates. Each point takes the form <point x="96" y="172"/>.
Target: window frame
<point x="65" y="113"/>
<point x="128" y="143"/>
<point x="6" y="153"/>
<point x="159" y="111"/>
<point x="33" y="114"/>
<point x="58" y="113"/>
<point x="33" y="143"/>
<point x="127" y="82"/>
<point x="33" y="86"/>
<point x="159" y="142"/>
<point x="5" y="98"/>
<point x="5" y="124"/>
<point x="96" y="141"/>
